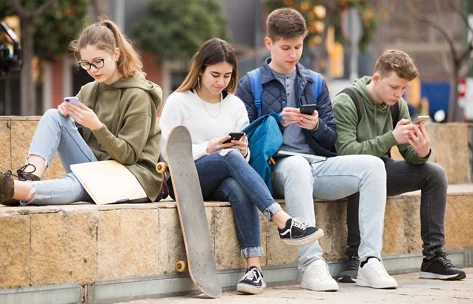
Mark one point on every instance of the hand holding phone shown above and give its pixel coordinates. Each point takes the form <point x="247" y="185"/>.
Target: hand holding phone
<point x="73" y="100"/>
<point x="234" y="136"/>
<point x="308" y="109"/>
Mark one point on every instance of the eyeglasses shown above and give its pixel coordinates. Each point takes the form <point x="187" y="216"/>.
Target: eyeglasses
<point x="97" y="63"/>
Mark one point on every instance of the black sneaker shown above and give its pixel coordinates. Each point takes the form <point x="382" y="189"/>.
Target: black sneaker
<point x="298" y="232"/>
<point x="252" y="282"/>
<point x="351" y="271"/>
<point x="439" y="267"/>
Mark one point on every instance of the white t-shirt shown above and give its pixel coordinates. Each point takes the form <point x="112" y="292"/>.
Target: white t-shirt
<point x="203" y="119"/>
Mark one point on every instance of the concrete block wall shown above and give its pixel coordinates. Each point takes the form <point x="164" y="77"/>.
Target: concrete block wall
<point x="87" y="243"/>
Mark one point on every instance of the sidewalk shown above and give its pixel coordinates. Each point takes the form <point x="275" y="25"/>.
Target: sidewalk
<point x="411" y="290"/>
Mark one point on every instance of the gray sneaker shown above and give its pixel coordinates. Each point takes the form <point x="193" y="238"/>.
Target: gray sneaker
<point x="351" y="271"/>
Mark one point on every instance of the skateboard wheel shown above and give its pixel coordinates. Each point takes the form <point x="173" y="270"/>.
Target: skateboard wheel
<point x="180" y="266"/>
<point x="161" y="167"/>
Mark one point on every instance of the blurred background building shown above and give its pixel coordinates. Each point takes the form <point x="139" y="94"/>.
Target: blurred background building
<point x="426" y="29"/>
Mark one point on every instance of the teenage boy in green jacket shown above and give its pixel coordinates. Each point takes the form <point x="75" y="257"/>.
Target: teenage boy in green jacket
<point x="374" y="133"/>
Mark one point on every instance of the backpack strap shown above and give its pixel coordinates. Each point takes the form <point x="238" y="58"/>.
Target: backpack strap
<point x="356" y="98"/>
<point x="256" y="88"/>
<point x="316" y="85"/>
<point x="395" y="114"/>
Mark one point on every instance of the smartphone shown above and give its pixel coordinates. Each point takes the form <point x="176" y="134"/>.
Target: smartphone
<point x="234" y="136"/>
<point x="308" y="109"/>
<point x="421" y="119"/>
<point x="73" y="100"/>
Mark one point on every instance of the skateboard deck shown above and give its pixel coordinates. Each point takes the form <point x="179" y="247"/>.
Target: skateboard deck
<point x="191" y="210"/>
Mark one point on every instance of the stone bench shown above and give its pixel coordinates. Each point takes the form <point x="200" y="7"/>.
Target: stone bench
<point x="101" y="254"/>
<point x="117" y="249"/>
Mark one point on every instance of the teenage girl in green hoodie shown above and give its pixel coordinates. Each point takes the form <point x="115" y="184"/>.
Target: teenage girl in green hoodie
<point x="116" y="120"/>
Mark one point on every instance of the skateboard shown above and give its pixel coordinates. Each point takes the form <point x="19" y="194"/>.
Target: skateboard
<point x="190" y="206"/>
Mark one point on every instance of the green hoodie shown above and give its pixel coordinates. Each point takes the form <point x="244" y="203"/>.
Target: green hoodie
<point x="373" y="135"/>
<point x="131" y="134"/>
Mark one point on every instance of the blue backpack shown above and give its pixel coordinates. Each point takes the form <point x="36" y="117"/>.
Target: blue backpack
<point x="264" y="136"/>
<point x="264" y="140"/>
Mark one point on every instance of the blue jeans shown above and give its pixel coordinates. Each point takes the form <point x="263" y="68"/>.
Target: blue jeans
<point x="56" y="133"/>
<point x="231" y="178"/>
<point x="334" y="178"/>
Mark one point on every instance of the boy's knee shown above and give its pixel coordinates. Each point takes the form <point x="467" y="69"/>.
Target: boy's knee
<point x="436" y="172"/>
<point x="295" y="168"/>
<point x="375" y="165"/>
<point x="299" y="163"/>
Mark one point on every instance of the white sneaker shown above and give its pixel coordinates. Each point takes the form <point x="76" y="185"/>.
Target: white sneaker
<point x="317" y="277"/>
<point x="373" y="275"/>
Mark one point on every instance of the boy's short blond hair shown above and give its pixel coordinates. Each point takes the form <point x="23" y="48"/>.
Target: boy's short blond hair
<point x="397" y="61"/>
<point x="285" y="23"/>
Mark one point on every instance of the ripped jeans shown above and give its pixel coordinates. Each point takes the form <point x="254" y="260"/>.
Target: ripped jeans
<point x="56" y="133"/>
<point x="231" y="178"/>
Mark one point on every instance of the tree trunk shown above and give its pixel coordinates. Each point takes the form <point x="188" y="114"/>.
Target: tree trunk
<point x="28" y="88"/>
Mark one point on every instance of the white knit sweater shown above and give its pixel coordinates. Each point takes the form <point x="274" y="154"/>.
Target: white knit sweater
<point x="203" y="119"/>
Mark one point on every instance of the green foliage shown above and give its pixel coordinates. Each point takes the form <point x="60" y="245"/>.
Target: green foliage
<point x="6" y="9"/>
<point x="368" y="20"/>
<point x="305" y="7"/>
<point x="58" y="25"/>
<point x="176" y="29"/>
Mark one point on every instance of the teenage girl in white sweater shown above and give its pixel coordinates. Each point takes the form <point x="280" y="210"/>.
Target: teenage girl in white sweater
<point x="204" y="103"/>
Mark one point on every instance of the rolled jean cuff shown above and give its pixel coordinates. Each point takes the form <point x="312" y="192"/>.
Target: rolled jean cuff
<point x="251" y="252"/>
<point x="272" y="210"/>
<point x="433" y="251"/>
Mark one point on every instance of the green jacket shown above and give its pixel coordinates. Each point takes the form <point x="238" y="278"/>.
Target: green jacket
<point x="373" y="135"/>
<point x="131" y="134"/>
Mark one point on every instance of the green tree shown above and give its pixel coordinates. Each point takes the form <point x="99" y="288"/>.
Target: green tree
<point x="44" y="37"/>
<point x="176" y="29"/>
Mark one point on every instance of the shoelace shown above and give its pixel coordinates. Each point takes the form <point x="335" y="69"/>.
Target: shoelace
<point x="251" y="274"/>
<point x="299" y="223"/>
<point x="444" y="260"/>
<point x="20" y="173"/>
<point x="379" y="269"/>
<point x="321" y="270"/>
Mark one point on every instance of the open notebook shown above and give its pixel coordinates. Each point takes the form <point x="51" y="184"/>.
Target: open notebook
<point x="108" y="182"/>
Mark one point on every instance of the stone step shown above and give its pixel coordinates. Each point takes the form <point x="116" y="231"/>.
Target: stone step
<point x="86" y="243"/>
